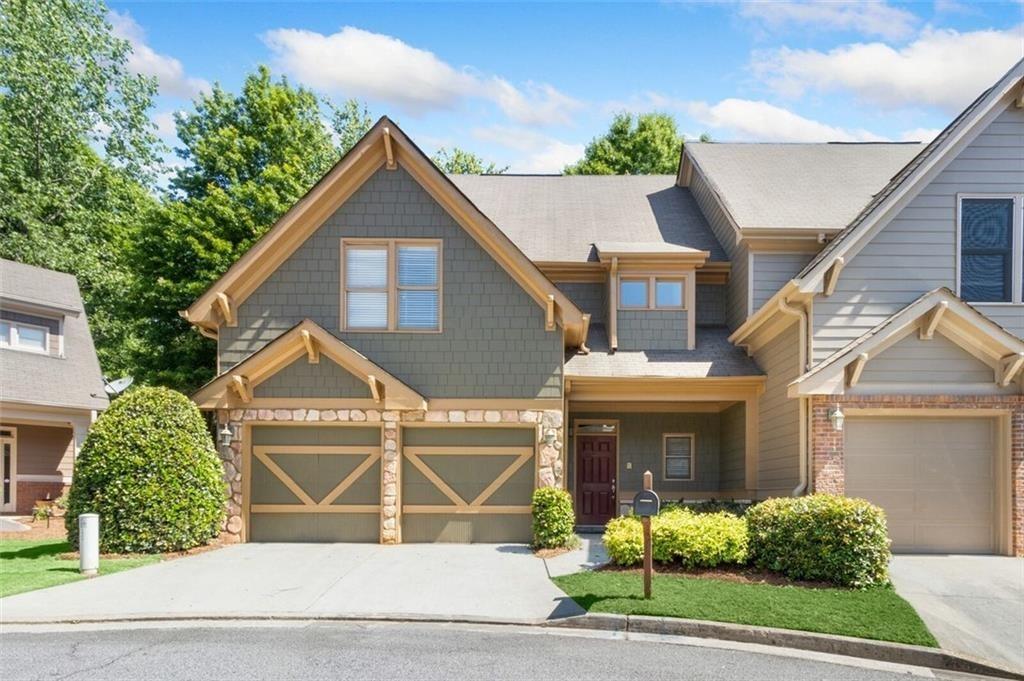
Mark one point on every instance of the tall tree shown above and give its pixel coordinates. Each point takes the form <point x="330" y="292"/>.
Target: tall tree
<point x="461" y="162"/>
<point x="646" y="145"/>
<point x="247" y="159"/>
<point x="76" y="148"/>
<point x="350" y="122"/>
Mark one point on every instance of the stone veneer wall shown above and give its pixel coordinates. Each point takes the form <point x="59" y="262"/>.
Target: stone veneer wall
<point x="550" y="466"/>
<point x="827" y="448"/>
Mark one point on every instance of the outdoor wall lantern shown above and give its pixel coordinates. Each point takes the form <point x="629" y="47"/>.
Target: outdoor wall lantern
<point x="225" y="435"/>
<point x="837" y="417"/>
<point x="549" y="436"/>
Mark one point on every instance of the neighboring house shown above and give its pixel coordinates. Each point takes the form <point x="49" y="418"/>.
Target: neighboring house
<point x="50" y="383"/>
<point x="405" y="356"/>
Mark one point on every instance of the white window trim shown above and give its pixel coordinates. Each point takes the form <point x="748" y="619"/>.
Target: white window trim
<point x="392" y="283"/>
<point x="12" y="343"/>
<point x="664" y="457"/>
<point x="1016" y="245"/>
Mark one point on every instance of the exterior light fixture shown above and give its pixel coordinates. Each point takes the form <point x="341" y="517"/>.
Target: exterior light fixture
<point x="225" y="435"/>
<point x="837" y="417"/>
<point x="549" y="436"/>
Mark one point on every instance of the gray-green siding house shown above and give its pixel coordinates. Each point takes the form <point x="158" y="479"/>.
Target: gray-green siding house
<point x="407" y="355"/>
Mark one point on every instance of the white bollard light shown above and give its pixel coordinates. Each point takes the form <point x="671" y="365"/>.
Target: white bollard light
<point x="88" y="543"/>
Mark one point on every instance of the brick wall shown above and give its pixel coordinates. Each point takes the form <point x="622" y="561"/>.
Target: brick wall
<point x="827" y="448"/>
<point x="31" y="492"/>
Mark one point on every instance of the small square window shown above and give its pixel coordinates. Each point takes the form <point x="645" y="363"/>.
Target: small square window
<point x="633" y="293"/>
<point x="668" y="293"/>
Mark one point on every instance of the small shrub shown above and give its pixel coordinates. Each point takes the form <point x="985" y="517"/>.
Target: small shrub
<point x="149" y="469"/>
<point x="554" y="520"/>
<point x="681" y="537"/>
<point x="736" y="508"/>
<point x="821" y="537"/>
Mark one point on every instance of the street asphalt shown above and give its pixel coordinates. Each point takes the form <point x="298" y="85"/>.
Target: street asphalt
<point x="398" y="651"/>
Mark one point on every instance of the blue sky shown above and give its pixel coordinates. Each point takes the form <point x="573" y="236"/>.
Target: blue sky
<point x="529" y="84"/>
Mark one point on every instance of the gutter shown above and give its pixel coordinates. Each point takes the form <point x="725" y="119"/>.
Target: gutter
<point x="800" y="312"/>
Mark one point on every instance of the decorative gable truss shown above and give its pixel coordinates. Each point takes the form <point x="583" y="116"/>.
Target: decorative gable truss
<point x="235" y="388"/>
<point x="385" y="145"/>
<point x="937" y="313"/>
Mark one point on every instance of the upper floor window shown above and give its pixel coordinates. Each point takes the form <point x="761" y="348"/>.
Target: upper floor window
<point x="24" y="337"/>
<point x="651" y="293"/>
<point x="391" y="285"/>
<point x="991" y="249"/>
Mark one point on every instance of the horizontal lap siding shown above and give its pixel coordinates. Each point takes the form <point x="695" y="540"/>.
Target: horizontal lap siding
<point x="493" y="344"/>
<point x="736" y="312"/>
<point x="45" y="450"/>
<point x="772" y="271"/>
<point x="923" y="363"/>
<point x="779" y="415"/>
<point x="732" y="467"/>
<point x="916" y="251"/>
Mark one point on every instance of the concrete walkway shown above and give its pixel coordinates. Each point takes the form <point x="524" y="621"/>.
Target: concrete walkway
<point x="482" y="582"/>
<point x="590" y="554"/>
<point x="973" y="604"/>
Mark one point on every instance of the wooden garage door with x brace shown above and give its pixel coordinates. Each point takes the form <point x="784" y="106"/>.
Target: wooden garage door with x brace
<point x="314" y="484"/>
<point x="467" y="484"/>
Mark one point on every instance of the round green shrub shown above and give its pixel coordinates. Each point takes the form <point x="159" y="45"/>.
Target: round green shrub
<point x="149" y="469"/>
<point x="821" y="537"/>
<point x="680" y="537"/>
<point x="554" y="521"/>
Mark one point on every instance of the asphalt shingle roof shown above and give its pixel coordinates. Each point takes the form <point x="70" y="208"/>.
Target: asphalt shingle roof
<point x="556" y="218"/>
<point x="71" y="381"/>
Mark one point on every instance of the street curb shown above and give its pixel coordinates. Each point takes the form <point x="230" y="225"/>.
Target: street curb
<point x="884" y="651"/>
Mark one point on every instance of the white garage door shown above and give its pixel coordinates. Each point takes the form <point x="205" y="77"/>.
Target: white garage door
<point x="935" y="478"/>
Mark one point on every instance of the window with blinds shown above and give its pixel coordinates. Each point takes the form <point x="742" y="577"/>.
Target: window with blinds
<point x="392" y="285"/>
<point x="678" y="456"/>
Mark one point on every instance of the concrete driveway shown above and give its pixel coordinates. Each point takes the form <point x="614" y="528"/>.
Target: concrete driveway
<point x="973" y="604"/>
<point x="480" y="582"/>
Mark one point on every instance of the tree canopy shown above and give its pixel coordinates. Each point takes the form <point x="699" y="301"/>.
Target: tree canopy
<point x="461" y="162"/>
<point x="648" y="144"/>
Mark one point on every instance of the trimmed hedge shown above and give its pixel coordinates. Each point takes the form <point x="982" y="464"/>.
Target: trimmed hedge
<point x="821" y="537"/>
<point x="554" y="520"/>
<point x="149" y="468"/>
<point x="681" y="537"/>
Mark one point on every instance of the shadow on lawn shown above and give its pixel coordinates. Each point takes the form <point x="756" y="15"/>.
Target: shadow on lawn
<point x="39" y="551"/>
<point x="587" y="601"/>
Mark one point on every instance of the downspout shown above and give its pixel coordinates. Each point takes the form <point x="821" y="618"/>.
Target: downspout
<point x="800" y="312"/>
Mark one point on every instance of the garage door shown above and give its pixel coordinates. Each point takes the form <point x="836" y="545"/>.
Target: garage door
<point x="314" y="484"/>
<point x="935" y="478"/>
<point x="467" y="484"/>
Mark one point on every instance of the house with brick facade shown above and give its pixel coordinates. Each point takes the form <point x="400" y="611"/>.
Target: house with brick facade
<point x="51" y="387"/>
<point x="406" y="356"/>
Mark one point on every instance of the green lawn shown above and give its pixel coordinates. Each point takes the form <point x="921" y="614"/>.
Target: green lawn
<point x="29" y="565"/>
<point x="875" y="613"/>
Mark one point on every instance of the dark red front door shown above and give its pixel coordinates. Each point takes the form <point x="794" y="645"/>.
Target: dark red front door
<point x="595" y="479"/>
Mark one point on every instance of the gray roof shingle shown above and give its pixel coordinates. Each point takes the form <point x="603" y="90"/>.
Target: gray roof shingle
<point x="72" y="381"/>
<point x="810" y="186"/>
<point x="556" y="218"/>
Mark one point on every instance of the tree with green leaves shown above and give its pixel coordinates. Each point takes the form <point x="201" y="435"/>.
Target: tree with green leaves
<point x="646" y="145"/>
<point x="77" y="153"/>
<point x="350" y="122"/>
<point x="461" y="162"/>
<point x="247" y="158"/>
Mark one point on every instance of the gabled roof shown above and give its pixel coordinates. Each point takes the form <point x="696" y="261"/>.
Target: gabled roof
<point x="556" y="218"/>
<point x="235" y="386"/>
<point x="922" y="169"/>
<point x="936" y="311"/>
<point x="812" y="187"/>
<point x="384" y="146"/>
<point x="73" y="381"/>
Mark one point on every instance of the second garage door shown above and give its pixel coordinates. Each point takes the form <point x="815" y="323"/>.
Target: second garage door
<point x="935" y="478"/>
<point x="467" y="484"/>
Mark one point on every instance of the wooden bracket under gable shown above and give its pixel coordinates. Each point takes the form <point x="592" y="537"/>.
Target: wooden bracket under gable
<point x="242" y="387"/>
<point x="1018" y="101"/>
<point x="932" y="322"/>
<point x="549" y="314"/>
<point x="226" y="307"/>
<point x="376" y="389"/>
<point x="854" y="371"/>
<point x="312" y="349"/>
<point x="832" y="275"/>
<point x="1008" y="368"/>
<point x="389" y="151"/>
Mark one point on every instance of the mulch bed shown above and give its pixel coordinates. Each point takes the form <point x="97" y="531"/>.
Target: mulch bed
<point x="724" y="573"/>
<point x="38" y="530"/>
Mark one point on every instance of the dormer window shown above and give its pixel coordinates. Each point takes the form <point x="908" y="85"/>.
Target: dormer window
<point x="651" y="293"/>
<point x="28" y="337"/>
<point x="991" y="249"/>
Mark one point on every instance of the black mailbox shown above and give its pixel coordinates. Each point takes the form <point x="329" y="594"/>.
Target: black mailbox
<point x="646" y="503"/>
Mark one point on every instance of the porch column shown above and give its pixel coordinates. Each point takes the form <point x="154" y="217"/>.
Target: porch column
<point x="750" y="414"/>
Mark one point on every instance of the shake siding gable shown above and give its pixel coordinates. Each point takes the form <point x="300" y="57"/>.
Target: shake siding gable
<point x="916" y="252"/>
<point x="493" y="343"/>
<point x="779" y="431"/>
<point x="589" y="297"/>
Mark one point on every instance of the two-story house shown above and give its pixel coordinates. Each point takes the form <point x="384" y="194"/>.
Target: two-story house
<point x="50" y="383"/>
<point x="406" y="355"/>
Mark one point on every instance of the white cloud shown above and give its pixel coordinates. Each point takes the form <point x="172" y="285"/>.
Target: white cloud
<point x="383" y="68"/>
<point x="165" y="126"/>
<point x="144" y="60"/>
<point x="869" y="18"/>
<point x="920" y="134"/>
<point x="941" y="68"/>
<point x="536" y="152"/>
<point x="748" y="120"/>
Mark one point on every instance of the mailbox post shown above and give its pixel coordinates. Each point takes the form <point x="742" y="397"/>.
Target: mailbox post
<point x="646" y="504"/>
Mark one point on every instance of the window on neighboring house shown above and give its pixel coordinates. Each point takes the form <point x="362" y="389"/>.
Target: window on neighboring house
<point x="991" y="248"/>
<point x="392" y="286"/>
<point x="637" y="293"/>
<point x="24" y="337"/>
<point x="677" y="452"/>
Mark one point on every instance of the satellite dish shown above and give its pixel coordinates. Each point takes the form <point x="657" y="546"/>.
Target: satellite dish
<point x="118" y="386"/>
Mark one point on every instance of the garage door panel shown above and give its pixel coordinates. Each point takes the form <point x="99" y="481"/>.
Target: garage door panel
<point x="468" y="476"/>
<point x="267" y="488"/>
<point x="934" y="477"/>
<point x="481" y="528"/>
<point x="518" y="488"/>
<point x="418" y="489"/>
<point x="315" y="527"/>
